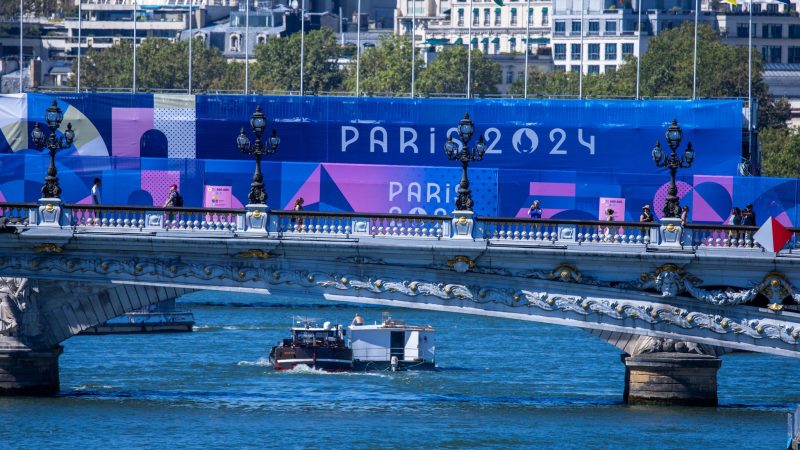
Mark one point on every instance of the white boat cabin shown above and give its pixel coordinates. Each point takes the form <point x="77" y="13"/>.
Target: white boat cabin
<point x="380" y="342"/>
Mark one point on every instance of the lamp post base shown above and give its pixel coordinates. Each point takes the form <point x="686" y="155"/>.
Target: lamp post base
<point x="672" y="234"/>
<point x="51" y="214"/>
<point x="463" y="225"/>
<point x="256" y="218"/>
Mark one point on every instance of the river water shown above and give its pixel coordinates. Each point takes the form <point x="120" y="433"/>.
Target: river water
<point x="500" y="384"/>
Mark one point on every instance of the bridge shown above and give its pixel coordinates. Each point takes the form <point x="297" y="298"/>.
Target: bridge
<point x="673" y="298"/>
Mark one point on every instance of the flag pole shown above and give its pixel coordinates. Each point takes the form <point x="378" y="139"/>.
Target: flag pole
<point x="694" y="71"/>
<point x="469" y="50"/>
<point x="191" y="38"/>
<point x="247" y="47"/>
<point x="750" y="63"/>
<point x="302" y="45"/>
<point x="358" y="50"/>
<point x="527" y="46"/>
<point x="639" y="50"/>
<point x="134" y="46"/>
<point x="80" y="24"/>
<point x="413" y="45"/>
<point x="580" y="74"/>
<point x="21" y="10"/>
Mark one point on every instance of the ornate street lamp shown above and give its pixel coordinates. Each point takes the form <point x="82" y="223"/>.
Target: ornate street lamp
<point x="53" y="116"/>
<point x="258" y="122"/>
<point x="673" y="163"/>
<point x="465" y="130"/>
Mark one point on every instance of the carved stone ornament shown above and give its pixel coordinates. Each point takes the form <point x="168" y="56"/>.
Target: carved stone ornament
<point x="649" y="344"/>
<point x="461" y="264"/>
<point x="47" y="248"/>
<point x="253" y="253"/>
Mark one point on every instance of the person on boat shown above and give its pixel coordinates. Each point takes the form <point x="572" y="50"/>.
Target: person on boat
<point x="357" y="320"/>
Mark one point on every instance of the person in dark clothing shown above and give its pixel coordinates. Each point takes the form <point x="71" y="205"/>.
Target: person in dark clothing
<point x="647" y="215"/>
<point x="749" y="216"/>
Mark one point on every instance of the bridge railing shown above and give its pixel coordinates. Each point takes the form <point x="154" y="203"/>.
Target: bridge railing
<point x="580" y="231"/>
<point x="346" y="224"/>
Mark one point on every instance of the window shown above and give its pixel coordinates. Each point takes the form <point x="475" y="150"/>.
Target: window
<point x="794" y="31"/>
<point x="560" y="52"/>
<point x="576" y="26"/>
<point x="594" y="27"/>
<point x="234" y="47"/>
<point x="560" y="27"/>
<point x="575" y="51"/>
<point x="771" y="54"/>
<point x="486" y="48"/>
<point x="772" y="8"/>
<point x="509" y="77"/>
<point x="520" y="75"/>
<point x="741" y="30"/>
<point x="560" y="69"/>
<point x="593" y="69"/>
<point x="611" y="52"/>
<point x="496" y="47"/>
<point x="512" y="45"/>
<point x="476" y="17"/>
<point x="627" y="49"/>
<point x="486" y="15"/>
<point x="545" y="17"/>
<point x="461" y="17"/>
<point x="611" y="27"/>
<point x="594" y="52"/>
<point x="794" y="55"/>
<point x="574" y="68"/>
<point x="530" y="19"/>
<point x="513" y="16"/>
<point x="771" y="31"/>
<point x="610" y="69"/>
<point x="498" y="14"/>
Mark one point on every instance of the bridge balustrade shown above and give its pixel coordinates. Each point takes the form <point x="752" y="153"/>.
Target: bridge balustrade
<point x="346" y="224"/>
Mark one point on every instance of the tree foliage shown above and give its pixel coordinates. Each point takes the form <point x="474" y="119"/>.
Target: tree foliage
<point x="385" y="68"/>
<point x="160" y="64"/>
<point x="780" y="152"/>
<point x="447" y="73"/>
<point x="277" y="64"/>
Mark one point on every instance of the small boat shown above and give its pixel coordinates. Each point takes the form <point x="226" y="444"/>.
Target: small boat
<point x="392" y="345"/>
<point x="318" y="347"/>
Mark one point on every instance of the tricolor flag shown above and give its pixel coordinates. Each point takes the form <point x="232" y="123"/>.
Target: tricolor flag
<point x="772" y="235"/>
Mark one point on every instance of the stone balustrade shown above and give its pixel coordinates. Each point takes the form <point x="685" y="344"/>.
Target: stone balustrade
<point x="381" y="225"/>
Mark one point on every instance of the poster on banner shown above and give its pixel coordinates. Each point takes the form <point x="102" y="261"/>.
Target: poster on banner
<point x="217" y="197"/>
<point x="617" y="204"/>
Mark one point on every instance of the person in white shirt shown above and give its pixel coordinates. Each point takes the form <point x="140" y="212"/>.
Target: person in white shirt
<point x="96" y="192"/>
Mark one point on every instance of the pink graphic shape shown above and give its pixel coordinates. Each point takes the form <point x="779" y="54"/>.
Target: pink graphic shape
<point x="660" y="198"/>
<point x="365" y="187"/>
<point x="217" y="197"/>
<point x="552" y="189"/>
<point x="85" y="200"/>
<point x="157" y="183"/>
<point x="784" y="219"/>
<point x="127" y="127"/>
<point x="615" y="203"/>
<point x="2" y="197"/>
<point x="702" y="211"/>
<point x="309" y="190"/>
<point x="725" y="181"/>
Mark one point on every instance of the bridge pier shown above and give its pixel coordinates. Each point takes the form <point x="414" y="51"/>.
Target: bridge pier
<point x="671" y="379"/>
<point x="29" y="372"/>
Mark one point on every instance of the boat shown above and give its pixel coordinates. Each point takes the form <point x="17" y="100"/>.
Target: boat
<point x="388" y="345"/>
<point x="317" y="347"/>
<point x="392" y="345"/>
<point x="158" y="318"/>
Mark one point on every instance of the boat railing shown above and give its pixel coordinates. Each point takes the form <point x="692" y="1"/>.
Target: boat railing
<point x="385" y="353"/>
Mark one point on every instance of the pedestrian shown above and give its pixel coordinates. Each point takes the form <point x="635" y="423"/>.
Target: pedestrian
<point x="647" y="215"/>
<point x="609" y="215"/>
<point x="749" y="216"/>
<point x="96" y="192"/>
<point x="535" y="212"/>
<point x="298" y="206"/>
<point x="357" y="320"/>
<point x="736" y="217"/>
<point x="174" y="198"/>
<point x="684" y="215"/>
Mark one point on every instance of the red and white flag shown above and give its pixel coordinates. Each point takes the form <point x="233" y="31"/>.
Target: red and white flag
<point x="772" y="235"/>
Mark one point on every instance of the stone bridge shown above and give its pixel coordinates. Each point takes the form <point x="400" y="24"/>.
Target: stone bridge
<point x="672" y="298"/>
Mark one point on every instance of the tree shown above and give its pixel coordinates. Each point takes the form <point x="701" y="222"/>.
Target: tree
<point x="780" y="152"/>
<point x="447" y="73"/>
<point x="277" y="64"/>
<point x="385" y="68"/>
<point x="161" y="64"/>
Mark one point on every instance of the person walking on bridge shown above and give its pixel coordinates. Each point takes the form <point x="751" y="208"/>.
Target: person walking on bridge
<point x="96" y="192"/>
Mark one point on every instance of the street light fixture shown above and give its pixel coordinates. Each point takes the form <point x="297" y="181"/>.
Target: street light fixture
<point x="465" y="130"/>
<point x="674" y="135"/>
<point x="258" y="123"/>
<point x="53" y="116"/>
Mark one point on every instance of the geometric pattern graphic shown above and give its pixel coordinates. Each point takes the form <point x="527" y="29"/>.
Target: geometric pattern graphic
<point x="660" y="198"/>
<point x="712" y="198"/>
<point x="175" y="116"/>
<point x="128" y="126"/>
<point x="157" y="183"/>
<point x="13" y="126"/>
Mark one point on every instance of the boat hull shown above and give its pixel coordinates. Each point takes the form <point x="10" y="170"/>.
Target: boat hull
<point x="320" y="358"/>
<point x="367" y="366"/>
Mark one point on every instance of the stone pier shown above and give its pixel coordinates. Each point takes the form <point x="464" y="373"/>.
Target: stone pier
<point x="29" y="372"/>
<point x="681" y="379"/>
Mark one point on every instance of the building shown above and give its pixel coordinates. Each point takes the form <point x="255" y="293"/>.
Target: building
<point x="776" y="30"/>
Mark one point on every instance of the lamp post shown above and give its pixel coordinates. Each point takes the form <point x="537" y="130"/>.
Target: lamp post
<point x="464" y="154"/>
<point x="258" y="122"/>
<point x="53" y="116"/>
<point x="673" y="163"/>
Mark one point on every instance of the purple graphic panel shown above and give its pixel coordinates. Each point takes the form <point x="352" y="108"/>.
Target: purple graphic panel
<point x="127" y="127"/>
<point x="157" y="183"/>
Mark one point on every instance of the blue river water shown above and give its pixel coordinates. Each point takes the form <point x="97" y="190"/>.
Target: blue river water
<point x="500" y="384"/>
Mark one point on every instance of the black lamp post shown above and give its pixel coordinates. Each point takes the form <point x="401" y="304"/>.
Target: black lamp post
<point x="258" y="122"/>
<point x="465" y="130"/>
<point x="53" y="143"/>
<point x="673" y="163"/>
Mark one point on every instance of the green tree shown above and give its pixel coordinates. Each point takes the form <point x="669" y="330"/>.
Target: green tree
<point x="780" y="152"/>
<point x="385" y="68"/>
<point x="447" y="73"/>
<point x="161" y="64"/>
<point x="277" y="64"/>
